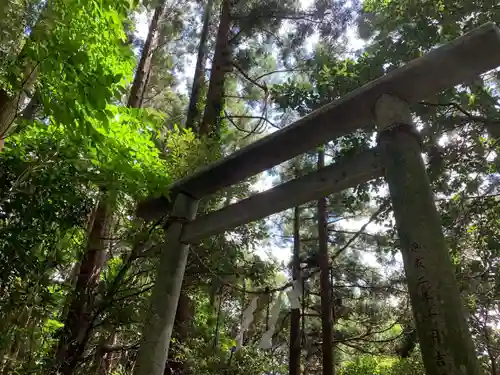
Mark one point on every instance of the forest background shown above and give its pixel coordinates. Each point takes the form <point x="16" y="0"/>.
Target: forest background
<point x="106" y="102"/>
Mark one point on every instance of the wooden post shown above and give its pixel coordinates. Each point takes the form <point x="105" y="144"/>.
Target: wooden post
<point x="445" y="341"/>
<point x="158" y="325"/>
<point x="295" y="345"/>
<point x="324" y="280"/>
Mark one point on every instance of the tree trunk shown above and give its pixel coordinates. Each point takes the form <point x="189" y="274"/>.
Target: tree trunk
<point x="199" y="73"/>
<point x="220" y="66"/>
<point x="324" y="281"/>
<point x="104" y="358"/>
<point x="97" y="363"/>
<point x="17" y="342"/>
<point x="445" y="341"/>
<point x="78" y="322"/>
<point x="8" y="321"/>
<point x="75" y="271"/>
<point x="183" y="318"/>
<point x="29" y="112"/>
<point x="489" y="345"/>
<point x="143" y="69"/>
<point x="110" y="358"/>
<point x="493" y="361"/>
<point x="294" y="361"/>
<point x="10" y="105"/>
<point x="170" y="318"/>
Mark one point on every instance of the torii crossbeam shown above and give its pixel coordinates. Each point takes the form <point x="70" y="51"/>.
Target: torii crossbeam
<point x="446" y="343"/>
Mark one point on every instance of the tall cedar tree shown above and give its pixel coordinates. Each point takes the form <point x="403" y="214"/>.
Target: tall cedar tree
<point x="220" y="66"/>
<point x="198" y="79"/>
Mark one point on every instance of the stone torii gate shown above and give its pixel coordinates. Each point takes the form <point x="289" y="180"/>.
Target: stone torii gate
<point x="446" y="344"/>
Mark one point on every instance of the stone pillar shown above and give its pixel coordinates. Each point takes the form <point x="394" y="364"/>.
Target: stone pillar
<point x="159" y="321"/>
<point x="445" y="341"/>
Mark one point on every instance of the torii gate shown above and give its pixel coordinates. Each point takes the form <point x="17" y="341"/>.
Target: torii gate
<point x="446" y="344"/>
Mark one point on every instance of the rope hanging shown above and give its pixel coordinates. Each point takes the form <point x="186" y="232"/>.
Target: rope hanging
<point x="217" y="322"/>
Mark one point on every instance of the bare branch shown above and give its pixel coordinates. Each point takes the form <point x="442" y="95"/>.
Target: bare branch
<point x="382" y="208"/>
<point x="281" y="71"/>
<point x="453" y="105"/>
<point x="257" y="118"/>
<point x="135" y="294"/>
<point x="234" y="38"/>
<point x="249" y="132"/>
<point x="249" y="79"/>
<point x="118" y="348"/>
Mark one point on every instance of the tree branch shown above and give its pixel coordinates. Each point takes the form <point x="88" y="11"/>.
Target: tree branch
<point x="257" y="118"/>
<point x="235" y="36"/>
<point x="138" y="293"/>
<point x="280" y="71"/>
<point x="118" y="348"/>
<point x="249" y="132"/>
<point x="382" y="208"/>
<point x="249" y="79"/>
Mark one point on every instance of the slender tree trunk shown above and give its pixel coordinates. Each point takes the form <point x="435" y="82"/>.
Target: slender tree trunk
<point x="199" y="73"/>
<point x="218" y="317"/>
<point x="110" y="358"/>
<point x="29" y="112"/>
<point x="487" y="336"/>
<point x="183" y="317"/>
<point x="493" y="361"/>
<point x="305" y="342"/>
<point x="144" y="67"/>
<point x="10" y="105"/>
<point x="243" y="301"/>
<point x="78" y="323"/>
<point x="97" y="365"/>
<point x="294" y="361"/>
<point x="164" y="319"/>
<point x="7" y="323"/>
<point x="220" y="66"/>
<point x="104" y="359"/>
<point x="216" y="91"/>
<point x="17" y="342"/>
<point x="324" y="281"/>
<point x="30" y="342"/>
<point x="214" y="289"/>
<point x="75" y="271"/>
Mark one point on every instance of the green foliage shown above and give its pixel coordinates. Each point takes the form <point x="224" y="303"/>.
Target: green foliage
<point x="75" y="51"/>
<point x="370" y="365"/>
<point x="90" y="68"/>
<point x="29" y="211"/>
<point x="82" y="140"/>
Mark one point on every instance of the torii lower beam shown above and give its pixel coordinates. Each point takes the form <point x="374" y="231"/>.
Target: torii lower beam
<point x="343" y="174"/>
